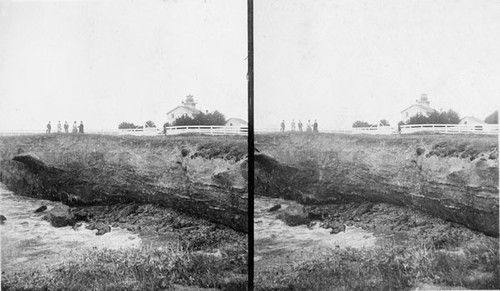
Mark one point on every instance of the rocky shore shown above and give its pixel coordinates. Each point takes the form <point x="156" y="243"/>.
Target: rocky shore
<point x="361" y="212"/>
<point x="453" y="177"/>
<point x="201" y="176"/>
<point x="186" y="197"/>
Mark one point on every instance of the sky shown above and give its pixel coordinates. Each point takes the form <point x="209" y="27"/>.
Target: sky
<point x="339" y="61"/>
<point x="104" y="62"/>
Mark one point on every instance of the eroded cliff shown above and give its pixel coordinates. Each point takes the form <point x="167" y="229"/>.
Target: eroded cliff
<point x="451" y="177"/>
<point x="202" y="176"/>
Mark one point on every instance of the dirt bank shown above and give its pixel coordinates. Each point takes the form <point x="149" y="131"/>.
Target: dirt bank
<point x="202" y="176"/>
<point x="454" y="177"/>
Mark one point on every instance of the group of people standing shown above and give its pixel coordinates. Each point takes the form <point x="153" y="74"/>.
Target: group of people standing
<point x="309" y="127"/>
<point x="76" y="128"/>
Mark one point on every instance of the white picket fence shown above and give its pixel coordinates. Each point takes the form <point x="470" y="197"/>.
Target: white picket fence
<point x="148" y="131"/>
<point x="232" y="130"/>
<point x="176" y="130"/>
<point x="407" y="129"/>
<point x="451" y="128"/>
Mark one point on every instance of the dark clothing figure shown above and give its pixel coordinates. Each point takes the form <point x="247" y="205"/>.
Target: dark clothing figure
<point x="282" y="126"/>
<point x="315" y="126"/>
<point x="66" y="127"/>
<point x="49" y="127"/>
<point x="80" y="128"/>
<point x="300" y="126"/>
<point x="165" y="129"/>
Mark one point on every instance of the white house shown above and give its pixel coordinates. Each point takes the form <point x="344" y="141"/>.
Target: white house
<point x="471" y="120"/>
<point x="421" y="107"/>
<point x="238" y="122"/>
<point x="188" y="107"/>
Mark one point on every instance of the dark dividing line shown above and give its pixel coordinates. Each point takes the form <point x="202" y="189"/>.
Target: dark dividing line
<point x="250" y="76"/>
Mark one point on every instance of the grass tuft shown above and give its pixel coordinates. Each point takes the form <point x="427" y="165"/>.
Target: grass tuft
<point x="135" y="269"/>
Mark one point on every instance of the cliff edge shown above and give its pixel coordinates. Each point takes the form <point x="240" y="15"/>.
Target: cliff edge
<point x="198" y="175"/>
<point x="453" y="177"/>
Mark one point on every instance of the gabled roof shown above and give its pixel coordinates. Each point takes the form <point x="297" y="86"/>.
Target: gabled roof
<point x="188" y="108"/>
<point x="472" y="118"/>
<point x="235" y="119"/>
<point x="426" y="108"/>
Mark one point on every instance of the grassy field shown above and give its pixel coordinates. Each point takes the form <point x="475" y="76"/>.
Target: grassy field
<point x="391" y="267"/>
<point x="143" y="269"/>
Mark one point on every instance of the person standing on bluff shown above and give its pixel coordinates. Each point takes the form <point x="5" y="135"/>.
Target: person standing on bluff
<point x="80" y="127"/>
<point x="293" y="124"/>
<point x="49" y="127"/>
<point x="59" y="127"/>
<point x="66" y="127"/>
<point x="315" y="126"/>
<point x="75" y="127"/>
<point x="300" y="125"/>
<point x="282" y="126"/>
<point x="309" y="129"/>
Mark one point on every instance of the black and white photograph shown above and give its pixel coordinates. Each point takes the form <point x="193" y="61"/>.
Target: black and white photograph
<point x="376" y="137"/>
<point x="249" y="145"/>
<point x="123" y="145"/>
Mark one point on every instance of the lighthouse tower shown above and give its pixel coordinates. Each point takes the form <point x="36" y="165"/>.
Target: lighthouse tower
<point x="424" y="100"/>
<point x="189" y="101"/>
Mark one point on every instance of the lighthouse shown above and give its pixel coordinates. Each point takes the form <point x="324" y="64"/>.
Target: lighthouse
<point x="189" y="101"/>
<point x="188" y="107"/>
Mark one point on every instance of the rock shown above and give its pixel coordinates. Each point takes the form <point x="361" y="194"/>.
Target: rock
<point x="295" y="214"/>
<point x="312" y="224"/>
<point x="41" y="209"/>
<point x="184" y="152"/>
<point x="76" y="226"/>
<point x="235" y="177"/>
<point x="337" y="227"/>
<point x="420" y="222"/>
<point x="2" y="218"/>
<point x="130" y="227"/>
<point x="128" y="210"/>
<point x="275" y="207"/>
<point x="60" y="216"/>
<point x="102" y="228"/>
<point x="83" y="214"/>
<point x="362" y="209"/>
<point x="217" y="254"/>
<point x="315" y="215"/>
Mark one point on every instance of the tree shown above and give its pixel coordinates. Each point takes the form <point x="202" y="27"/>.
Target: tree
<point x="492" y="118"/>
<point x="183" y="120"/>
<point x="360" y="123"/>
<point x="126" y="125"/>
<point x="215" y="118"/>
<point x="149" y="123"/>
<point x="435" y="117"/>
